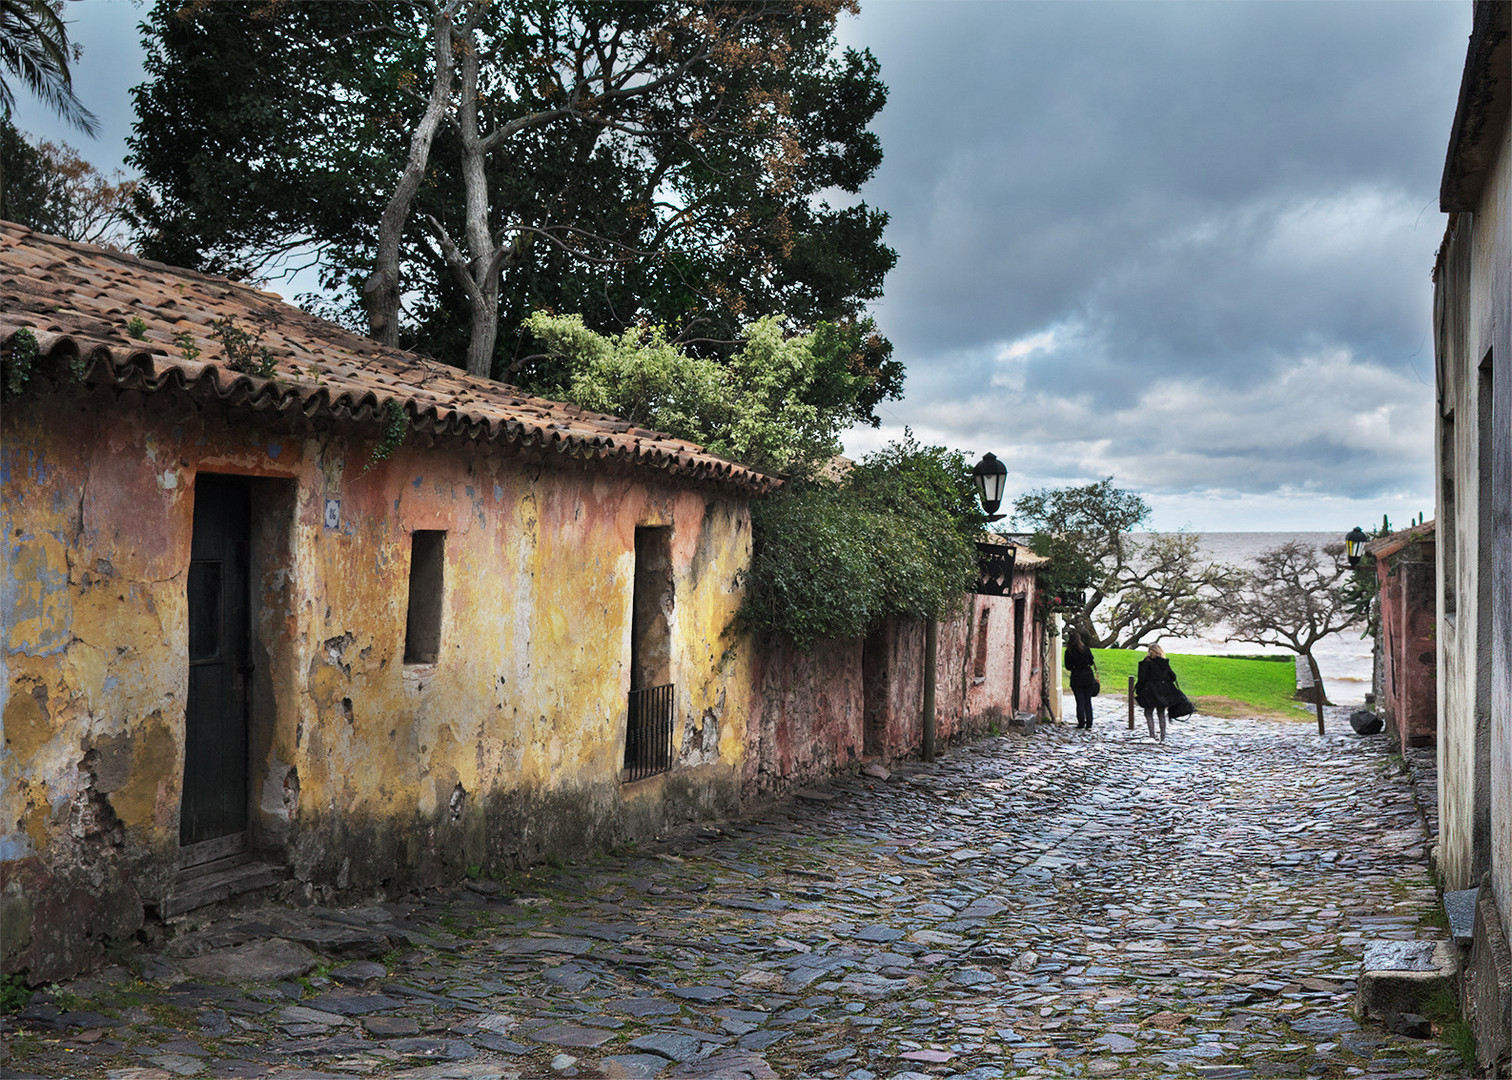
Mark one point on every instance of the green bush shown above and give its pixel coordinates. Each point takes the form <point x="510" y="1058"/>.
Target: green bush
<point x="893" y="538"/>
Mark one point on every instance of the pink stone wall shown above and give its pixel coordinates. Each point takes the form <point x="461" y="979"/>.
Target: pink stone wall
<point x="1410" y="702"/>
<point x="813" y="714"/>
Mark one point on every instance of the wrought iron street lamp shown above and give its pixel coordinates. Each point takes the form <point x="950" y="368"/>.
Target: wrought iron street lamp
<point x="1354" y="544"/>
<point x="989" y="476"/>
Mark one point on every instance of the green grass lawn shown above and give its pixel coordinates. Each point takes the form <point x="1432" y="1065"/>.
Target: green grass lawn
<point x="1218" y="685"/>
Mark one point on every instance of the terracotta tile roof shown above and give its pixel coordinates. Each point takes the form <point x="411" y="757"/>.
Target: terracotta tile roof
<point x="1388" y="545"/>
<point x="79" y="300"/>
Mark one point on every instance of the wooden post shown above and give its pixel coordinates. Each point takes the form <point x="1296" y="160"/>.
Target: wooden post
<point x="1131" y="703"/>
<point x="931" y="647"/>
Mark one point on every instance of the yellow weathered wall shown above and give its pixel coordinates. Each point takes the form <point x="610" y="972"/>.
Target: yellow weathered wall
<point x="366" y="772"/>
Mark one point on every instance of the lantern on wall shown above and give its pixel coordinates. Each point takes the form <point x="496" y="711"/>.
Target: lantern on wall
<point x="989" y="476"/>
<point x="1354" y="544"/>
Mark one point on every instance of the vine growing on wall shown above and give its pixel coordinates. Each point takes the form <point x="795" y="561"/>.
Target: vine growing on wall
<point x="395" y="425"/>
<point x="19" y="358"/>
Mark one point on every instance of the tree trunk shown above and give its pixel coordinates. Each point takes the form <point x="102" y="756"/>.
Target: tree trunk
<point x="1319" y="697"/>
<point x="380" y="292"/>
<point x="482" y="267"/>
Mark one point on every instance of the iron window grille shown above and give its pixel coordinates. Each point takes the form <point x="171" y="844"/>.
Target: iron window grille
<point x="995" y="569"/>
<point x="648" y="733"/>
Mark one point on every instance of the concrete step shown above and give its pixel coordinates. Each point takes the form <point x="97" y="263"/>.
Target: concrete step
<point x="1401" y="976"/>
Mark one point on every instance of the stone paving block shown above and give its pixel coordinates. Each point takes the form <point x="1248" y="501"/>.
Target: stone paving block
<point x="571" y="1035"/>
<point x="529" y="946"/>
<point x="1459" y="906"/>
<point x="301" y="1014"/>
<point x="669" y="1045"/>
<point x="353" y="1004"/>
<point x="256" y="961"/>
<point x="458" y="1071"/>
<point x="390" y="1027"/>
<point x="726" y="1065"/>
<point x="359" y="973"/>
<point x="445" y="1049"/>
<point x="633" y="1066"/>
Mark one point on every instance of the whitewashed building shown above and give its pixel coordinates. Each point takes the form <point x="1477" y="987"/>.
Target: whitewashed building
<point x="1473" y="348"/>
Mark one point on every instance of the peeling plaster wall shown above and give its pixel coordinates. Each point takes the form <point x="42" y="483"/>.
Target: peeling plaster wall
<point x="366" y="773"/>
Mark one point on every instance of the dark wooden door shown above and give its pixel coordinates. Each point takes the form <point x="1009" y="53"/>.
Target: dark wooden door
<point x="215" y="725"/>
<point x="1018" y="649"/>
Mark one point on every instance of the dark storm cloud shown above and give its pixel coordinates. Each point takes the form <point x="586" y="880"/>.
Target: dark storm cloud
<point x="1185" y="244"/>
<point x="1107" y="206"/>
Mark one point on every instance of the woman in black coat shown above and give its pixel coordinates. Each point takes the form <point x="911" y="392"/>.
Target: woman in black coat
<point x="1083" y="671"/>
<point x="1153" y="686"/>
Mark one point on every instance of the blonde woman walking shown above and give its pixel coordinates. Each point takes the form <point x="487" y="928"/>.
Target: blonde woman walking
<point x="1153" y="686"/>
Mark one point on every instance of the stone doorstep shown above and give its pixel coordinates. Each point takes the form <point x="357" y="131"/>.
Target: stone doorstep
<point x="1400" y="976"/>
<point x="202" y="891"/>
<point x="1459" y="907"/>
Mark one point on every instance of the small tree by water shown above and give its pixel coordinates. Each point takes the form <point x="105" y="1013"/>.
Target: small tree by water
<point x="1293" y="598"/>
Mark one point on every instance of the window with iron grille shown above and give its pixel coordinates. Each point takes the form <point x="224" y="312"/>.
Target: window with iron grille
<point x="648" y="732"/>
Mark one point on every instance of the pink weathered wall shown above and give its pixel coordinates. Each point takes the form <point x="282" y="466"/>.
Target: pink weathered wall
<point x="1410" y="708"/>
<point x="805" y="718"/>
<point x="809" y="713"/>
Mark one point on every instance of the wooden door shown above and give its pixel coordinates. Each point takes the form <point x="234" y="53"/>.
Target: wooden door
<point x="1018" y="649"/>
<point x="214" y="803"/>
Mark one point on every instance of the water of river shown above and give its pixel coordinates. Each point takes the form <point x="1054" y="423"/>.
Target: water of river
<point x="1344" y="658"/>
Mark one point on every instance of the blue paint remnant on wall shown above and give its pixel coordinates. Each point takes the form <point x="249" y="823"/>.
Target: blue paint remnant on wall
<point x="469" y="490"/>
<point x="28" y="463"/>
<point x="15" y="847"/>
<point x="35" y="593"/>
<point x="416" y="482"/>
<point x="498" y="493"/>
<point x="274" y="449"/>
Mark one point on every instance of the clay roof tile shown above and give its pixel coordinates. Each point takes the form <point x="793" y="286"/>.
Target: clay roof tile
<point x="79" y="300"/>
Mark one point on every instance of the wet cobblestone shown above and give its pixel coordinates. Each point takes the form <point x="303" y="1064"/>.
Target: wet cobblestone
<point x="1071" y="904"/>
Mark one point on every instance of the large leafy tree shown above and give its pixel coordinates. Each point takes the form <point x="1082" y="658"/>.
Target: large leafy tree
<point x="662" y="161"/>
<point x="1125" y="591"/>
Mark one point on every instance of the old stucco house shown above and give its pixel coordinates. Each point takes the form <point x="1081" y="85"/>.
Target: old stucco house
<point x="242" y="644"/>
<point x="1473" y="349"/>
<point x="282" y="608"/>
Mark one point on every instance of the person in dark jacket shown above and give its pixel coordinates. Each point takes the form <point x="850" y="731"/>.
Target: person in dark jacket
<point x="1083" y="671"/>
<point x="1152" y="688"/>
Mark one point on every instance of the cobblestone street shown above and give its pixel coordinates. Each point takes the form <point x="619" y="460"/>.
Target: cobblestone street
<point x="1070" y="903"/>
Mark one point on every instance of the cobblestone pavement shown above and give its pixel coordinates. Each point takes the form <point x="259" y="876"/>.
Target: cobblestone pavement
<point x="1065" y="904"/>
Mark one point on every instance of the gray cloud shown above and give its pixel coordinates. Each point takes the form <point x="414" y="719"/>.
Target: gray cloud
<point x="1186" y="244"/>
<point x="1235" y="203"/>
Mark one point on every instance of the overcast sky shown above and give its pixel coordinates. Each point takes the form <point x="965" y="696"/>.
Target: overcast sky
<point x="1184" y="244"/>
